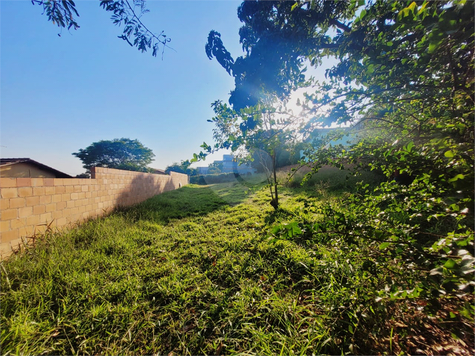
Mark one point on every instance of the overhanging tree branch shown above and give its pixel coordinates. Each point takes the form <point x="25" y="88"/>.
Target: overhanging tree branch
<point x="63" y="13"/>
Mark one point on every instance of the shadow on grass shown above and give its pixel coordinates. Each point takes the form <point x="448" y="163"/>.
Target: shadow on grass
<point x="191" y="200"/>
<point x="278" y="215"/>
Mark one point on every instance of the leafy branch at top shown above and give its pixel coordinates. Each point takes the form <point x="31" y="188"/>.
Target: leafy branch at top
<point x="63" y="13"/>
<point x="124" y="13"/>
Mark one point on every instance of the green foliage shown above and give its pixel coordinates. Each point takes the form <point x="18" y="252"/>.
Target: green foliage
<point x="121" y="153"/>
<point x="83" y="175"/>
<point x="183" y="167"/>
<point x="63" y="13"/>
<point x="215" y="167"/>
<point x="215" y="48"/>
<point x="213" y="270"/>
<point x="404" y="77"/>
<point x="258" y="133"/>
<point x="329" y="179"/>
<point x="275" y="36"/>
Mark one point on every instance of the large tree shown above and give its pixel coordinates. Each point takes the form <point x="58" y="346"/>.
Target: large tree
<point x="405" y="66"/>
<point x="125" y="13"/>
<point x="271" y="69"/>
<point x="406" y="70"/>
<point x="277" y="36"/>
<point x="405" y="75"/>
<point x="121" y="153"/>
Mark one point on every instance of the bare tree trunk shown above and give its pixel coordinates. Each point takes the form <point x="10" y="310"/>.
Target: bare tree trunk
<point x="275" y="200"/>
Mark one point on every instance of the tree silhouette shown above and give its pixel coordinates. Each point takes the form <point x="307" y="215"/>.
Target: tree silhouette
<point x="121" y="153"/>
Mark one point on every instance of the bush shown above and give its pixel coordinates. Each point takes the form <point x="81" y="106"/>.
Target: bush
<point x="333" y="178"/>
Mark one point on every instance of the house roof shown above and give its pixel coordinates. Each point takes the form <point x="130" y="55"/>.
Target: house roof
<point x="12" y="161"/>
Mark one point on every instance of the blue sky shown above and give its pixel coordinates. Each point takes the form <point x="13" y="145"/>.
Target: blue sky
<point x="62" y="93"/>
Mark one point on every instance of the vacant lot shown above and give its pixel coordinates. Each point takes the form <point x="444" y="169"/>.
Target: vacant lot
<point x="214" y="270"/>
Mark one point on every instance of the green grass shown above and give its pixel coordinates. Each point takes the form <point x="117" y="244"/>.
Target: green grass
<point x="192" y="271"/>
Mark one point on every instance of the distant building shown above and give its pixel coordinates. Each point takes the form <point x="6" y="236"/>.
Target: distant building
<point x="27" y="168"/>
<point x="230" y="165"/>
<point x="202" y="170"/>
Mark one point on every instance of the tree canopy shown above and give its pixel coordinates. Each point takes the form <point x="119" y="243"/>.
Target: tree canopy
<point x="404" y="80"/>
<point x="215" y="167"/>
<point x="125" y="13"/>
<point x="406" y="71"/>
<point x="121" y="153"/>
<point x="276" y="36"/>
<point x="182" y="167"/>
<point x="404" y="68"/>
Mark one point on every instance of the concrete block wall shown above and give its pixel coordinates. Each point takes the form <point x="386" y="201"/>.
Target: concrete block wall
<point x="29" y="205"/>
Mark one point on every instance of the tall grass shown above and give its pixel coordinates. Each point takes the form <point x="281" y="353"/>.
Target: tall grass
<point x="189" y="272"/>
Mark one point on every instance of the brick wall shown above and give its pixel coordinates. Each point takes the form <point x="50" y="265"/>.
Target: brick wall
<point x="29" y="205"/>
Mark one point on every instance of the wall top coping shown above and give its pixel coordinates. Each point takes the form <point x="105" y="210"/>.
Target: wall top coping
<point x="100" y="173"/>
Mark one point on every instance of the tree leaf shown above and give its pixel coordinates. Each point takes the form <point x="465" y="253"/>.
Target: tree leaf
<point x="457" y="177"/>
<point x="450" y="264"/>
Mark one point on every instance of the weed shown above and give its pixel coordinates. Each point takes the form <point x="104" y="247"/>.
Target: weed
<point x="194" y="271"/>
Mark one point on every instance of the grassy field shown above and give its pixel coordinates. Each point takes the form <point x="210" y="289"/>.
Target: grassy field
<point x="200" y="271"/>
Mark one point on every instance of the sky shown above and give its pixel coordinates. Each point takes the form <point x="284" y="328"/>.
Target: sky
<point x="62" y="93"/>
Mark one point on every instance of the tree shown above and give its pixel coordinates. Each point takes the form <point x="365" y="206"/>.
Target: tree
<point x="406" y="70"/>
<point x="277" y="36"/>
<point x="405" y="76"/>
<point x="261" y="132"/>
<point x="125" y="13"/>
<point x="393" y="72"/>
<point x="264" y="79"/>
<point x="183" y="167"/>
<point x="121" y="153"/>
<point x="83" y="175"/>
<point x="215" y="167"/>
